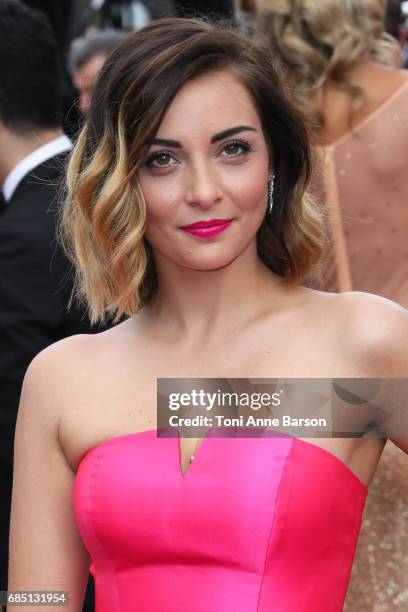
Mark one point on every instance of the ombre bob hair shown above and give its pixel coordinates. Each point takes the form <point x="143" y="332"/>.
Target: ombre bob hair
<point x="104" y="217"/>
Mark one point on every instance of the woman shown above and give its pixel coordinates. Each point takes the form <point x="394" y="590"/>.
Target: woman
<point x="344" y="71"/>
<point x="190" y="123"/>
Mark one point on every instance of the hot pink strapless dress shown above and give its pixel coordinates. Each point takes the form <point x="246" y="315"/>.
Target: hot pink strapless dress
<point x="258" y="524"/>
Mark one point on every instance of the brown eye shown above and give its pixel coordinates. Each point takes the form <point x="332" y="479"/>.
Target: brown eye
<point x="234" y="149"/>
<point x="162" y="159"/>
<point x="157" y="160"/>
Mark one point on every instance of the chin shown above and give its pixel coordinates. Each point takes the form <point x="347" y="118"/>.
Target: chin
<point x="208" y="263"/>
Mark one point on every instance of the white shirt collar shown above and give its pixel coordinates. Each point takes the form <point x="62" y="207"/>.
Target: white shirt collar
<point x="34" y="159"/>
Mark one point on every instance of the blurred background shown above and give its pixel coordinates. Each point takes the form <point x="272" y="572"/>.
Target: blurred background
<point x="80" y="25"/>
<point x="86" y="31"/>
<point x="77" y="22"/>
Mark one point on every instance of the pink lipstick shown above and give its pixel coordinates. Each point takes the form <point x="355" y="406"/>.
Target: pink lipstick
<point x="207" y="229"/>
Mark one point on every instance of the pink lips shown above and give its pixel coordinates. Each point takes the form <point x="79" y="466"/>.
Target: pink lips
<point x="207" y="229"/>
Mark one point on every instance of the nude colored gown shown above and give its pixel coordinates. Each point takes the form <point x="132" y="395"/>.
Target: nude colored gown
<point x="366" y="179"/>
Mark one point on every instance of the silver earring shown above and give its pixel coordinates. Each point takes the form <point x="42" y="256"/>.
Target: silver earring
<point x="271" y="185"/>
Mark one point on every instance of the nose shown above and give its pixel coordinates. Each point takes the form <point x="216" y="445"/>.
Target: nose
<point x="203" y="188"/>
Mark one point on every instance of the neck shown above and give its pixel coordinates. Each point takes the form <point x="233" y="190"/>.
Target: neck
<point x="15" y="147"/>
<point x="198" y="306"/>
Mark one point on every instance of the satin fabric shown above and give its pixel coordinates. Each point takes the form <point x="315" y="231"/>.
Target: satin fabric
<point x="257" y="524"/>
<point x="363" y="179"/>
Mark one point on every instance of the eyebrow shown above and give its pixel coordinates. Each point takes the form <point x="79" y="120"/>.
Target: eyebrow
<point x="164" y="142"/>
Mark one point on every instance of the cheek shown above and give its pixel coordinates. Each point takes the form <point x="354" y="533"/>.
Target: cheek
<point x="249" y="189"/>
<point x="160" y="199"/>
<point x="161" y="206"/>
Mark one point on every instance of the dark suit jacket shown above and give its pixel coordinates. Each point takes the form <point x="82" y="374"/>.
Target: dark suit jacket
<point x="35" y="284"/>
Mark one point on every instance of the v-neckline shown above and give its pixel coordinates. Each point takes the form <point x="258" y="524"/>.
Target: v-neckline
<point x="339" y="462"/>
<point x="144" y="432"/>
<point x="196" y="453"/>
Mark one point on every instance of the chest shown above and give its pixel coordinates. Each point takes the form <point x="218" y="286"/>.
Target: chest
<point x="123" y="400"/>
<point x="247" y="513"/>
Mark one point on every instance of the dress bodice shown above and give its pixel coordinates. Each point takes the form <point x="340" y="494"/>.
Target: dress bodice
<point x="257" y="524"/>
<point x="363" y="180"/>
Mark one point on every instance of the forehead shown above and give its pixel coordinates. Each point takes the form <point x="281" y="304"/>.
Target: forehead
<point x="210" y="103"/>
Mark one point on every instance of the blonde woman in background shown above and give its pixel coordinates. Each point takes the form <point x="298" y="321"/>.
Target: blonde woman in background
<point x="344" y="73"/>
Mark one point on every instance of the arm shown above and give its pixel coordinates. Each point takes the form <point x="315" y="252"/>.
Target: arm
<point x="46" y="551"/>
<point x="392" y="326"/>
<point x="381" y="327"/>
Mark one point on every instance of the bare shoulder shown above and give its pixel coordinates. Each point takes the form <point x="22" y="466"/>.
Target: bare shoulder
<point x="59" y="360"/>
<point x="75" y="352"/>
<point x="390" y="76"/>
<point x="401" y="75"/>
<point x="66" y="368"/>
<point x="403" y="72"/>
<point x="374" y="332"/>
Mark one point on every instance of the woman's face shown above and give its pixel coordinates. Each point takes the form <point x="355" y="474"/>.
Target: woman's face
<point x="209" y="160"/>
